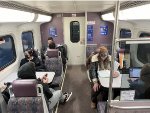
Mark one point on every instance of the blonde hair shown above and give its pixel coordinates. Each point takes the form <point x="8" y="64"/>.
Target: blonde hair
<point x="106" y="62"/>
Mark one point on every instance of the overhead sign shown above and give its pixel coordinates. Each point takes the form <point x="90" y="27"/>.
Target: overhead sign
<point x="103" y="30"/>
<point x="53" y="32"/>
<point x="89" y="32"/>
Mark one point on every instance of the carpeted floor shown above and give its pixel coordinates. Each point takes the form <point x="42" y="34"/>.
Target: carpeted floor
<point x="77" y="81"/>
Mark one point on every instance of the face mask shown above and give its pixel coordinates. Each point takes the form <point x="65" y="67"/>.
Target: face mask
<point x="104" y="55"/>
<point x="26" y="56"/>
<point x="25" y="47"/>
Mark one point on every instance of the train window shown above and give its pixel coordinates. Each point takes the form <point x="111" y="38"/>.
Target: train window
<point x="125" y="33"/>
<point x="143" y="56"/>
<point x="74" y="31"/>
<point x="27" y="40"/>
<point x="7" y="51"/>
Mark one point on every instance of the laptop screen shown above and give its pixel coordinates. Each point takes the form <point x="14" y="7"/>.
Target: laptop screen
<point x="134" y="72"/>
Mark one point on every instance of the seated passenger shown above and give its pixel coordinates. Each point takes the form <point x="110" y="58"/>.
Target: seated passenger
<point x="44" y="48"/>
<point x="99" y="61"/>
<point x="142" y="85"/>
<point x="27" y="71"/>
<point x="50" y="46"/>
<point x="30" y="57"/>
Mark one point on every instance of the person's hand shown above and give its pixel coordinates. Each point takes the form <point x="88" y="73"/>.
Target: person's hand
<point x="45" y="79"/>
<point x="115" y="74"/>
<point x="2" y="87"/>
<point x="129" y="80"/>
<point x="96" y="87"/>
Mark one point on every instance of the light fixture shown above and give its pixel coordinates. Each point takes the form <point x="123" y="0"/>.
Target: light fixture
<point x="108" y="16"/>
<point x="135" y="13"/>
<point x="11" y="15"/>
<point x="43" y="18"/>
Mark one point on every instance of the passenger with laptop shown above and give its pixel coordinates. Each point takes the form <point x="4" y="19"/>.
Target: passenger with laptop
<point x="142" y="84"/>
<point x="99" y="61"/>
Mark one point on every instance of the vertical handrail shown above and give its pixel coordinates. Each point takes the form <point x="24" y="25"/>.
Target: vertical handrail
<point x="115" y="31"/>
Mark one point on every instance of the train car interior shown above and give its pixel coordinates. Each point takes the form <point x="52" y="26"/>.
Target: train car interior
<point x="74" y="56"/>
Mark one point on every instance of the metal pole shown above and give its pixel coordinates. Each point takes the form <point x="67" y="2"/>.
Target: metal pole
<point x="115" y="31"/>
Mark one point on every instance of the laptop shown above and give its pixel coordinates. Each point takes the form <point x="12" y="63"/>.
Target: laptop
<point x="134" y="72"/>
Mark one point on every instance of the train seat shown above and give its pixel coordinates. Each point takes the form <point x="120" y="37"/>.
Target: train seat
<point x="101" y="107"/>
<point x="51" y="53"/>
<point x="27" y="96"/>
<point x="53" y="62"/>
<point x="3" y="105"/>
<point x="55" y="65"/>
<point x="90" y="49"/>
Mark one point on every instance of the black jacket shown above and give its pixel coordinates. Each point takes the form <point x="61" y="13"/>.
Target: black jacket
<point x="38" y="64"/>
<point x="27" y="71"/>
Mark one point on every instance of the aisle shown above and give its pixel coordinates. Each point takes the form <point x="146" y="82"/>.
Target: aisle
<point x="76" y="81"/>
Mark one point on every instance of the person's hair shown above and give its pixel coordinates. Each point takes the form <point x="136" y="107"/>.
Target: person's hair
<point x="50" y="38"/>
<point x="106" y="61"/>
<point x="145" y="73"/>
<point x="102" y="50"/>
<point x="30" y="52"/>
<point x="52" y="45"/>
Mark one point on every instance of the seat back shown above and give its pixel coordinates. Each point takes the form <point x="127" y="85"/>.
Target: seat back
<point x="28" y="97"/>
<point x="90" y="49"/>
<point x="24" y="88"/>
<point x="141" y="106"/>
<point x="51" y="53"/>
<point x="54" y="65"/>
<point x="3" y="105"/>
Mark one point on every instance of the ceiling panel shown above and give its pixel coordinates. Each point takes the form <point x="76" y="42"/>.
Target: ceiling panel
<point x="70" y="6"/>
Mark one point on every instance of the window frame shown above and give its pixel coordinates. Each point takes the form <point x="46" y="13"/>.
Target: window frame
<point x="14" y="52"/>
<point x="32" y="39"/>
<point x="71" y="32"/>
<point x="124" y="38"/>
<point x="138" y="46"/>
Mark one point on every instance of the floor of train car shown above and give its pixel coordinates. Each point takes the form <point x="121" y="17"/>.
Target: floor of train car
<point x="77" y="81"/>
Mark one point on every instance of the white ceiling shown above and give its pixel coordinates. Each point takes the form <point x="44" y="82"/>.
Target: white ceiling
<point x="70" y="6"/>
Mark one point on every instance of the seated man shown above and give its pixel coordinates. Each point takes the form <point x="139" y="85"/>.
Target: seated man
<point x="44" y="48"/>
<point x="99" y="61"/>
<point x="50" y="46"/>
<point x="30" y="57"/>
<point x="142" y="85"/>
<point x="27" y="71"/>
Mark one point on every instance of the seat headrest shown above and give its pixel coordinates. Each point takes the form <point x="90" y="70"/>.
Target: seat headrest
<point x="51" y="53"/>
<point x="25" y="88"/>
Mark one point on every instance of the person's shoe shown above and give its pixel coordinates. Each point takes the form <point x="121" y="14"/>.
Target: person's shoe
<point x="93" y="105"/>
<point x="68" y="95"/>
